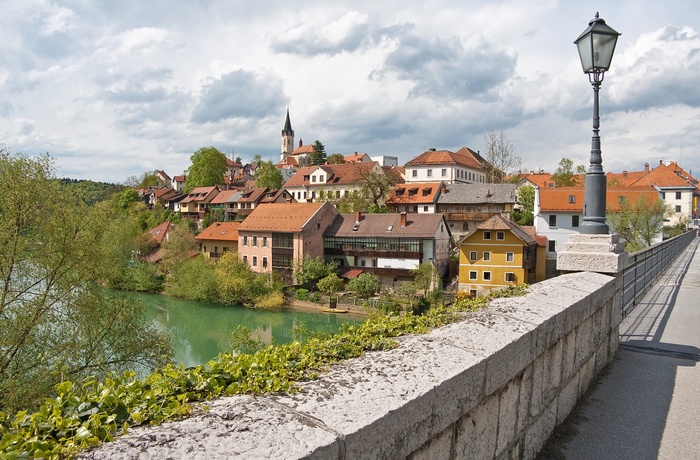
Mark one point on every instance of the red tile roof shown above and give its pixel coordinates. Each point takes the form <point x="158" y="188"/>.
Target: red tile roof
<point x="558" y="199"/>
<point x="223" y="196"/>
<point x="303" y="149"/>
<point x="220" y="231"/>
<point x="280" y="217"/>
<point x="414" y="193"/>
<point x="385" y="225"/>
<point x="445" y="157"/>
<point x="662" y="176"/>
<point x="200" y="194"/>
<point x="159" y="232"/>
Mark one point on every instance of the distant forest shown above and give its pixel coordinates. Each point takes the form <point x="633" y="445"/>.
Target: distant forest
<point x="90" y="191"/>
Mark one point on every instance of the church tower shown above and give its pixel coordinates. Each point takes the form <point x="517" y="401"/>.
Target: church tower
<point x="287" y="138"/>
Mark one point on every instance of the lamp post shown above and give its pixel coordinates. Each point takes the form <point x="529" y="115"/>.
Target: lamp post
<point x="596" y="46"/>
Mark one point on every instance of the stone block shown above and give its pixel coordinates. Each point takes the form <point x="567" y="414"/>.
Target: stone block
<point x="586" y="376"/>
<point x="551" y="373"/>
<point x="524" y="398"/>
<point x="476" y="432"/>
<point x="438" y="448"/>
<point x="568" y="355"/>
<point x="539" y="431"/>
<point x="537" y="387"/>
<point x="236" y="427"/>
<point x="507" y="415"/>
<point x="567" y="399"/>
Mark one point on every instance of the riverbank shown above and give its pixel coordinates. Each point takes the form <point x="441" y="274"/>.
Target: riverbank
<point x="344" y="309"/>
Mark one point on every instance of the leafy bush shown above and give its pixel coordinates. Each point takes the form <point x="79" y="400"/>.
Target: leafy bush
<point x="139" y="277"/>
<point x="302" y="294"/>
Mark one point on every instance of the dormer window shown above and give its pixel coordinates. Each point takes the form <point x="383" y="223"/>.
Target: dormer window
<point x="400" y="191"/>
<point x="572" y="198"/>
<point x="427" y="191"/>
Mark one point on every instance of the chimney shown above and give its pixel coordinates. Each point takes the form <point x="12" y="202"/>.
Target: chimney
<point x="443" y="189"/>
<point x="431" y="149"/>
<point x="403" y="219"/>
<point x="661" y="162"/>
<point x="646" y="167"/>
<point x="301" y="142"/>
<point x="358" y="216"/>
<point x="624" y="173"/>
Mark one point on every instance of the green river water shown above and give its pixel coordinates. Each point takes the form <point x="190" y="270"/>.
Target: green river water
<point x="200" y="331"/>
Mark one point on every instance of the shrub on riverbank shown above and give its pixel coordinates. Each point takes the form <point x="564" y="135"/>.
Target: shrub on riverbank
<point x="228" y="281"/>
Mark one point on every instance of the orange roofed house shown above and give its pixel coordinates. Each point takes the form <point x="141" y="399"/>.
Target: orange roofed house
<point x="275" y="235"/>
<point x="500" y="253"/>
<point x="218" y="239"/>
<point x="559" y="212"/>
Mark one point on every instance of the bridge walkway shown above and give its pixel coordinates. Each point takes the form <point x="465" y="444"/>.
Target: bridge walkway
<point x="646" y="403"/>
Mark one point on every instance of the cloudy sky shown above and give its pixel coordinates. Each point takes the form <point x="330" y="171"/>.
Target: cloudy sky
<point x="113" y="89"/>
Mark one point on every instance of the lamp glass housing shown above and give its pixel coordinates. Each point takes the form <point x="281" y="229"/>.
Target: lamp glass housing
<point x="596" y="46"/>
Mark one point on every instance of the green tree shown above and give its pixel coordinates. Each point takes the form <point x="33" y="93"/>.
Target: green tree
<point x="425" y="277"/>
<point x="269" y="176"/>
<point x="374" y="187"/>
<point x="524" y="214"/>
<point x="330" y="284"/>
<point x="500" y="155"/>
<point x="364" y="286"/>
<point x="179" y="246"/>
<point x="309" y="270"/>
<point x="564" y="174"/>
<point x="639" y="222"/>
<point x="207" y="168"/>
<point x="318" y="157"/>
<point x="56" y="322"/>
<point x="336" y="159"/>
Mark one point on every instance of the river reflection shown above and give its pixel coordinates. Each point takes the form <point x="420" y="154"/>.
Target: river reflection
<point x="200" y="331"/>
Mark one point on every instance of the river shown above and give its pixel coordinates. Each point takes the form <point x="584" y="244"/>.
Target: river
<point x="200" y="331"/>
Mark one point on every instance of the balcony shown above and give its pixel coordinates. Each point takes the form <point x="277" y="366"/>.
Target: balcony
<point x="470" y="216"/>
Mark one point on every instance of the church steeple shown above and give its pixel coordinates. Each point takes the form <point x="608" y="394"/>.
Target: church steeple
<point x="287" y="138"/>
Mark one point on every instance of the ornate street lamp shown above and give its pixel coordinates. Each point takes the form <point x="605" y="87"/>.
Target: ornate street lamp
<point x="595" y="48"/>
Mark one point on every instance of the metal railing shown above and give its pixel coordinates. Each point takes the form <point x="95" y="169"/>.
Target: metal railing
<point x="646" y="266"/>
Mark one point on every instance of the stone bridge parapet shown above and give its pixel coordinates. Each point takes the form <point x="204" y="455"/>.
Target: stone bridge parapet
<point x="492" y="386"/>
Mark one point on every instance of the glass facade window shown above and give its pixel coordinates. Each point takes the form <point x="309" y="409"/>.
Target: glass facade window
<point x="282" y="241"/>
<point x="372" y="244"/>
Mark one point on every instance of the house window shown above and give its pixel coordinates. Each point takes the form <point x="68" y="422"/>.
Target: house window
<point x="552" y="246"/>
<point x="255" y="240"/>
<point x="472" y="292"/>
<point x="444" y="172"/>
<point x="487" y="235"/>
<point x="245" y="240"/>
<point x="425" y="209"/>
<point x="678" y="209"/>
<point x="572" y="198"/>
<point x="245" y="259"/>
<point x="430" y="173"/>
<point x="487" y="276"/>
<point x="337" y="193"/>
<point x="414" y="173"/>
<point x="663" y="195"/>
<point x="510" y="277"/>
<point x="255" y="261"/>
<point x="678" y="195"/>
<point x="363" y="263"/>
<point x="552" y="220"/>
<point x="574" y="221"/>
<point x="510" y="256"/>
<point x="313" y="178"/>
<point x="264" y="262"/>
<point x="472" y="256"/>
<point x="487" y="256"/>
<point x="465" y="225"/>
<point x="501" y="236"/>
<point x="472" y="275"/>
<point x="264" y="241"/>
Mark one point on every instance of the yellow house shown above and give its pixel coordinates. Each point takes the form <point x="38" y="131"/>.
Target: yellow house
<point x="500" y="253"/>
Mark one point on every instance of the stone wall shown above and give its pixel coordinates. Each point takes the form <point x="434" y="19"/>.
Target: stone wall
<point x="493" y="386"/>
